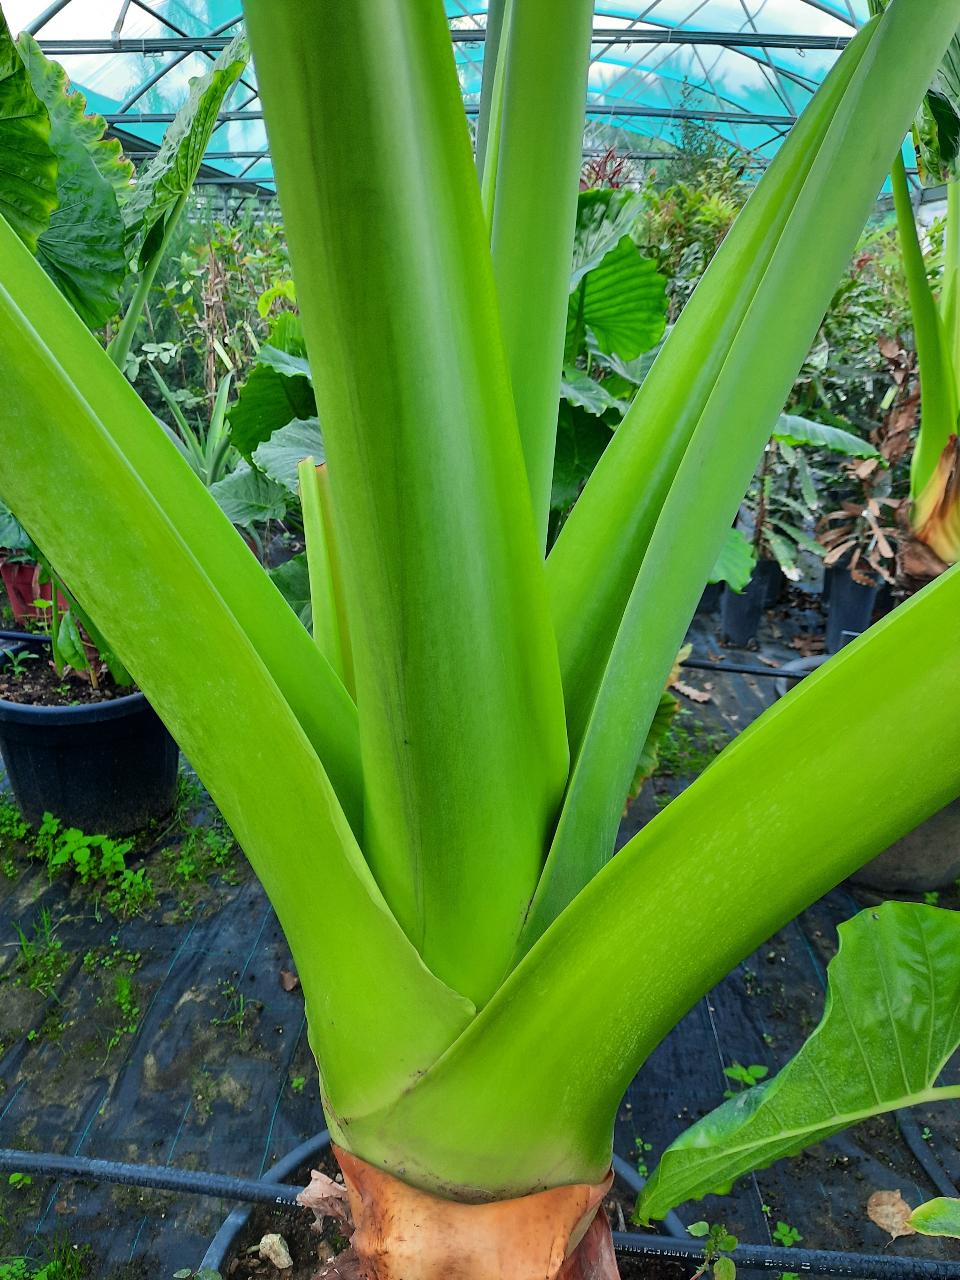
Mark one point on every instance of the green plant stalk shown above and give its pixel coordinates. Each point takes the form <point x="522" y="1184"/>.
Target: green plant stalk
<point x="938" y="379"/>
<point x="313" y="692"/>
<point x="58" y="661"/>
<point x="538" y="163"/>
<point x="108" y="523"/>
<point x="593" y="565"/>
<point x="326" y="629"/>
<point x="336" y="578"/>
<point x="780" y="817"/>
<point x="456" y="670"/>
<point x="122" y="341"/>
<point x="492" y="111"/>
<point x="950" y="297"/>
<point x="756" y="374"/>
<point x="496" y="10"/>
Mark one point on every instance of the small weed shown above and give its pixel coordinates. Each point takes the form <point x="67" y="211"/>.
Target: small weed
<point x="41" y="959"/>
<point x="124" y="999"/>
<point x="926" y="1133"/>
<point x="786" y="1235"/>
<point x="717" y="1243"/>
<point x="746" y="1077"/>
<point x="642" y="1149"/>
<point x="297" y="1083"/>
<point x="19" y="1180"/>
<point x="12" y="825"/>
<point x="65" y="1262"/>
<point x="238" y="1009"/>
<point x="186" y="1274"/>
<point x="689" y="746"/>
<point x="931" y="898"/>
<point x="204" y="851"/>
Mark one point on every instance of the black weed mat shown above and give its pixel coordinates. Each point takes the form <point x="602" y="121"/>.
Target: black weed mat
<point x="195" y="1054"/>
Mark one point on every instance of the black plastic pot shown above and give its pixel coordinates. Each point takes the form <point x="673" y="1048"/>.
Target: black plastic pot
<point x="771" y="575"/>
<point x="740" y="614"/>
<point x="850" y="609"/>
<point x="106" y="767"/>
<point x="710" y="600"/>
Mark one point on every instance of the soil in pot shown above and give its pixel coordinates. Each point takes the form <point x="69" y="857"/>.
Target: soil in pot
<point x="310" y="1250"/>
<point x="35" y="683"/>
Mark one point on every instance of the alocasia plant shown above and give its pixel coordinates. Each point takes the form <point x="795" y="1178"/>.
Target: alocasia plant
<point x="437" y="840"/>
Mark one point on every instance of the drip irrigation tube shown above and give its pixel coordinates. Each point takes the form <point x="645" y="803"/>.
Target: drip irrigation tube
<point x="822" y="1262"/>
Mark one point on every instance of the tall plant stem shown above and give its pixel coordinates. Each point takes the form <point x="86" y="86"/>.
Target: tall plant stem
<point x="119" y="348"/>
<point x="938" y="382"/>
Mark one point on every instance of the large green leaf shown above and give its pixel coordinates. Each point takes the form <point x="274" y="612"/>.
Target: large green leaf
<point x="280" y="456"/>
<point x="248" y="497"/>
<point x="13" y="536"/>
<point x="622" y="302"/>
<point x="581" y="440"/>
<point x="735" y="563"/>
<point x="277" y="391"/>
<point x="890" y="1024"/>
<point x="431" y="499"/>
<point x="28" y="171"/>
<point x="165" y="180"/>
<point x="82" y="250"/>
<point x="584" y="392"/>
<point x="939" y="1217"/>
<point x="604" y="217"/>
<point x="292" y="580"/>
<point x="793" y="429"/>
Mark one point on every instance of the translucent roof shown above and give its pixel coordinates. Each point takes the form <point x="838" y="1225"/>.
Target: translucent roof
<point x="747" y="66"/>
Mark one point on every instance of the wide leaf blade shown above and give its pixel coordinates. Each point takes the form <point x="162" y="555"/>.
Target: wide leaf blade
<point x="891" y="1022"/>
<point x="82" y="250"/>
<point x="166" y="179"/>
<point x="281" y="455"/>
<point x="28" y="178"/>
<point x="793" y="429"/>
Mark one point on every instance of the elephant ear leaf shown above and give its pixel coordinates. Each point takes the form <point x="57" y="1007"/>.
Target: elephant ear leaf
<point x="166" y="180"/>
<point x="616" y="294"/>
<point x="891" y="1023"/>
<point x="735" y="562"/>
<point x="28" y="179"/>
<point x="940" y="1217"/>
<point x="83" y="248"/>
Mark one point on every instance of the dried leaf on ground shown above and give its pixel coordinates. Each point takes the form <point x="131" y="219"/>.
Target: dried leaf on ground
<point x="891" y="1213"/>
<point x="695" y="695"/>
<point x="288" y="980"/>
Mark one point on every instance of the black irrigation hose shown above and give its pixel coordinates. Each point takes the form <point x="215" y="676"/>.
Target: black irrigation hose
<point x="735" y="668"/>
<point x="762" y="1257"/>
<point x="817" y="1262"/>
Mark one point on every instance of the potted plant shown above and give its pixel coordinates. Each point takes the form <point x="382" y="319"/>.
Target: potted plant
<point x="776" y="518"/>
<point x="460" y="862"/>
<point x="77" y="738"/>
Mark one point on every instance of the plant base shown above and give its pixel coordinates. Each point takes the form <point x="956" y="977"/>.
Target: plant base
<point x="402" y="1233"/>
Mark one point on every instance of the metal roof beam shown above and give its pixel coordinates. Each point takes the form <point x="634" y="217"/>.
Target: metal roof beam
<point x="602" y="35"/>
<point x="614" y="108"/>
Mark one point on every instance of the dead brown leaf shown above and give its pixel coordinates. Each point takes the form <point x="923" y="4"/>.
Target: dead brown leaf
<point x="891" y="1213"/>
<point x="767" y="662"/>
<point x="695" y="695"/>
<point x="808" y="645"/>
<point x="288" y="980"/>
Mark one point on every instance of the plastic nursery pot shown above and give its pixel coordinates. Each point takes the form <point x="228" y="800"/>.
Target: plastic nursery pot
<point x="740" y="614"/>
<point x="771" y="575"/>
<point x="926" y="858"/>
<point x="850" y="608"/>
<point x="224" y="1245"/>
<point x="710" y="600"/>
<point x="106" y="767"/>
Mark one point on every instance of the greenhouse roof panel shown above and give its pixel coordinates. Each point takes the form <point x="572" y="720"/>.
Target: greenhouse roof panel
<point x="747" y="66"/>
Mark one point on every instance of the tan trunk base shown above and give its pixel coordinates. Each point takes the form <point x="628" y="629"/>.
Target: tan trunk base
<point x="401" y="1233"/>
